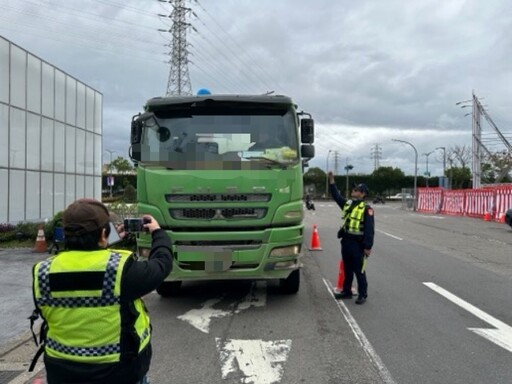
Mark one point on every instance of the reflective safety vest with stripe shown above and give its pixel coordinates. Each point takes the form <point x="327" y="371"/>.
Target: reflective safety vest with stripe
<point x="352" y="218"/>
<point x="79" y="296"/>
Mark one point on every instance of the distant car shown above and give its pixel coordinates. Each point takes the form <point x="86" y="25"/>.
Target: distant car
<point x="508" y="217"/>
<point x="401" y="196"/>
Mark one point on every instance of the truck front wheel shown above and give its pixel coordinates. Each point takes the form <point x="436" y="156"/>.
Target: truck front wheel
<point x="169" y="288"/>
<point x="291" y="284"/>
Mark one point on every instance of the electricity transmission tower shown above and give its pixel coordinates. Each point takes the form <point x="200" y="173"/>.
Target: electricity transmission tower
<point x="178" y="82"/>
<point x="376" y="156"/>
<point x="477" y="147"/>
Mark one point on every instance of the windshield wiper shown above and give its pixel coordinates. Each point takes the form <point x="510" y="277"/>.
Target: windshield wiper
<point x="272" y="161"/>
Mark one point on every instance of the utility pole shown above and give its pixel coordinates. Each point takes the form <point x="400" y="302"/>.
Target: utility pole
<point x="348" y="167"/>
<point x="327" y="174"/>
<point x="376" y="155"/>
<point x="336" y="159"/>
<point x="111" y="176"/>
<point x="178" y="82"/>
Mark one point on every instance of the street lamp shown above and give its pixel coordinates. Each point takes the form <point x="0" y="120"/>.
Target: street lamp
<point x="444" y="159"/>
<point x="426" y="173"/>
<point x="415" y="170"/>
<point x="110" y="170"/>
<point x="326" y="173"/>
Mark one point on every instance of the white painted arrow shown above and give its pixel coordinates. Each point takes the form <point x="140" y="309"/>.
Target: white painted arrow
<point x="202" y="317"/>
<point x="260" y="362"/>
<point x="501" y="336"/>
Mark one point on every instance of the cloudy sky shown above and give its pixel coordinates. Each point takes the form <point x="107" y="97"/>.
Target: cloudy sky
<point x="369" y="71"/>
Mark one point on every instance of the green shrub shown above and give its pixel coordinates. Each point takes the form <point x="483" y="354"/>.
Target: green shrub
<point x="27" y="230"/>
<point x="6" y="228"/>
<point x="130" y="194"/>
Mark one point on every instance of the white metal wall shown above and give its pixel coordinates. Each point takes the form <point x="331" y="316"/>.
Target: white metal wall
<point x="50" y="136"/>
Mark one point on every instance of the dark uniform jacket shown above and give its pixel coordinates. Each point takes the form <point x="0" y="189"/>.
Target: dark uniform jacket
<point x="139" y="278"/>
<point x="369" y="222"/>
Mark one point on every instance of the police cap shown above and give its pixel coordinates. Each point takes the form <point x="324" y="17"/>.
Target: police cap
<point x="361" y="188"/>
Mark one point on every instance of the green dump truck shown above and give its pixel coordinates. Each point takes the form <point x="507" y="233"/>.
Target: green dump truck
<point x="222" y="174"/>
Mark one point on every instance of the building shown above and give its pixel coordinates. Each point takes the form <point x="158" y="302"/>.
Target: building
<point x="51" y="135"/>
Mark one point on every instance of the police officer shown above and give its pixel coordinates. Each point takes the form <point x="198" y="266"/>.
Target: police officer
<point x="356" y="233"/>
<point x="97" y="327"/>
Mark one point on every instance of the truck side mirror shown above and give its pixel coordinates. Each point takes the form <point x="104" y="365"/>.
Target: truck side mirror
<point x="136" y="130"/>
<point x="307" y="131"/>
<point x="307" y="151"/>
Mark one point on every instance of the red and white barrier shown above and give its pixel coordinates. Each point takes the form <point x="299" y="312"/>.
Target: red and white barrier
<point x="489" y="203"/>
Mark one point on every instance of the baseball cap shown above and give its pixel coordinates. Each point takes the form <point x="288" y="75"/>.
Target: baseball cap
<point x="361" y="188"/>
<point x="83" y="216"/>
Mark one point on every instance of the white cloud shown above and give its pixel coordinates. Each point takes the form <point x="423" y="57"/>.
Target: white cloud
<point x="368" y="71"/>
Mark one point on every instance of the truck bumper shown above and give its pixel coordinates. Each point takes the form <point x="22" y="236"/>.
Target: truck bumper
<point x="271" y="253"/>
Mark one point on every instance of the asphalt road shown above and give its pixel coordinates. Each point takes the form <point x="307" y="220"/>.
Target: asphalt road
<point x="439" y="311"/>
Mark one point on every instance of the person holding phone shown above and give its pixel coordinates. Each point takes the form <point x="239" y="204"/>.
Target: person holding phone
<point x="95" y="326"/>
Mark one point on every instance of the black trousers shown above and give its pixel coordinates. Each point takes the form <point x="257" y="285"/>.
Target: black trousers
<point x="352" y="253"/>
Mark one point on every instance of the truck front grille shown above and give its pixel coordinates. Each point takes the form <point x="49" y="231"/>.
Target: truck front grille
<point x="217" y="213"/>
<point x="218" y="197"/>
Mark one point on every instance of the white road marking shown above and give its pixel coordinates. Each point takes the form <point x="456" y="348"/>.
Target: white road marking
<point x="201" y="318"/>
<point x="23" y="377"/>
<point x="428" y="216"/>
<point x="362" y="339"/>
<point x="501" y="336"/>
<point x="389" y="234"/>
<point x="261" y="362"/>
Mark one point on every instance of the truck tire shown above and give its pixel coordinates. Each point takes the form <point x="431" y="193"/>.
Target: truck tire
<point x="169" y="288"/>
<point x="291" y="284"/>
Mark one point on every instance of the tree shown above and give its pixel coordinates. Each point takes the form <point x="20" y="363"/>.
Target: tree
<point x="460" y="155"/>
<point x="121" y="165"/>
<point x="460" y="176"/>
<point x="130" y="194"/>
<point x="387" y="178"/>
<point x="315" y="178"/>
<point x="496" y="167"/>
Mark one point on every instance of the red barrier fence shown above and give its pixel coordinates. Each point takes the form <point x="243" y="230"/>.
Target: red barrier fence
<point x="490" y="202"/>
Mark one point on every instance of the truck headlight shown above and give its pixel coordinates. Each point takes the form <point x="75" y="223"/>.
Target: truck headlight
<point x="291" y="250"/>
<point x="294" y="215"/>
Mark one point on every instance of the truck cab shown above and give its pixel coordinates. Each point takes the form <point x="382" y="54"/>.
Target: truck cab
<point x="222" y="174"/>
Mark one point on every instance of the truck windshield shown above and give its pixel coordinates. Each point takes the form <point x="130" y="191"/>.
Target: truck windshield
<point x="225" y="139"/>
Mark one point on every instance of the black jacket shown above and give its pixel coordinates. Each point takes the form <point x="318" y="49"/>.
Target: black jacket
<point x="139" y="278"/>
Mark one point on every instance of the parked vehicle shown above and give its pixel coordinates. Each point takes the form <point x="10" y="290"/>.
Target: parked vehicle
<point x="231" y="210"/>
<point x="309" y="203"/>
<point x="378" y="200"/>
<point x="508" y="217"/>
<point x="401" y="196"/>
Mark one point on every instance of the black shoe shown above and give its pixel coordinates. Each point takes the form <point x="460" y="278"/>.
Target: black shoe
<point x="342" y="295"/>
<point x="361" y="299"/>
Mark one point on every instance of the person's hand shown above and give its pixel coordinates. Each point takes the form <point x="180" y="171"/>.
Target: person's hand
<point x="120" y="230"/>
<point x="367" y="252"/>
<point x="149" y="223"/>
<point x="331" y="177"/>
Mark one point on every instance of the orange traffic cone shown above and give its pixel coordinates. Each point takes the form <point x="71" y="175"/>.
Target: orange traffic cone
<point x="315" y="240"/>
<point x="40" y="241"/>
<point x="487" y="216"/>
<point x="341" y="278"/>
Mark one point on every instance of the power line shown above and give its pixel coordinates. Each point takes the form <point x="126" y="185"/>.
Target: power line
<point x="255" y="62"/>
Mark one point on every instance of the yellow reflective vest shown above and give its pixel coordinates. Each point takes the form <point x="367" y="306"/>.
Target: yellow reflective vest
<point x="79" y="296"/>
<point x="353" y="219"/>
